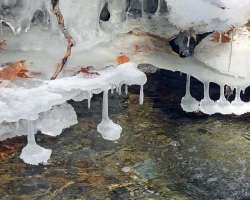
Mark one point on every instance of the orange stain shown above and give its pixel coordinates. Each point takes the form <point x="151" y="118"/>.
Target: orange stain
<point x="121" y="59"/>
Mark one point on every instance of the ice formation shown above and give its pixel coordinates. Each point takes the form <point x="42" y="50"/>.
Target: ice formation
<point x="188" y="103"/>
<point x="208" y="15"/>
<point x="86" y="38"/>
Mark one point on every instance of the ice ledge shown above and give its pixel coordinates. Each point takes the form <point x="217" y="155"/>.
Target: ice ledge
<point x="42" y="107"/>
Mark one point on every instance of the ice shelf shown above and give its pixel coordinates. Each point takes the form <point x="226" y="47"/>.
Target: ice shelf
<point x="39" y="106"/>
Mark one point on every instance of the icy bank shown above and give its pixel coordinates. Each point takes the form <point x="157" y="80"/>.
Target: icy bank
<point x="19" y="106"/>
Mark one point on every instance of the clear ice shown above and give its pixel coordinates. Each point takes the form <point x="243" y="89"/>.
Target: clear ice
<point x="188" y="103"/>
<point x="108" y="129"/>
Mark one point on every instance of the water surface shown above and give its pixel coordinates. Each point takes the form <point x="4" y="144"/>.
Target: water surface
<point x="164" y="153"/>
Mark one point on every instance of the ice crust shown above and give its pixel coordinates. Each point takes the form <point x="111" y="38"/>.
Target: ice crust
<point x="208" y="15"/>
<point x="231" y="58"/>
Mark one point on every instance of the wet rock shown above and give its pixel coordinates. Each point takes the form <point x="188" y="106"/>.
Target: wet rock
<point x="29" y="186"/>
<point x="120" y="194"/>
<point x="10" y="148"/>
<point x="147" y="68"/>
<point x="72" y="191"/>
<point x="146" y="169"/>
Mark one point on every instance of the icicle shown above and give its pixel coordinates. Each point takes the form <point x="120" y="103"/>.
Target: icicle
<point x="126" y="89"/>
<point x="89" y="99"/>
<point x="188" y="103"/>
<point x="31" y="134"/>
<point x="108" y="129"/>
<point x="112" y="89"/>
<point x="105" y="111"/>
<point x="117" y="89"/>
<point x="237" y="94"/>
<point x="223" y="106"/>
<point x="32" y="153"/>
<point x="188" y="43"/>
<point x="158" y="8"/>
<point x="1" y="28"/>
<point x="142" y="8"/>
<point x="207" y="105"/>
<point x="120" y="89"/>
<point x="188" y="86"/>
<point x="238" y="106"/>
<point x="206" y="91"/>
<point x="231" y="52"/>
<point x="141" y="95"/>
<point x="222" y="92"/>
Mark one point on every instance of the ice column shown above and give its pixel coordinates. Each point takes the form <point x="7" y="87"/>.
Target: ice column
<point x="141" y="95"/>
<point x="117" y="11"/>
<point x="108" y="129"/>
<point x="32" y="153"/>
<point x="207" y="105"/>
<point x="223" y="105"/>
<point x="89" y="99"/>
<point x="188" y="103"/>
<point x="238" y="106"/>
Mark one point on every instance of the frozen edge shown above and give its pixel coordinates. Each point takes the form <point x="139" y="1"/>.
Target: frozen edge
<point x="56" y="92"/>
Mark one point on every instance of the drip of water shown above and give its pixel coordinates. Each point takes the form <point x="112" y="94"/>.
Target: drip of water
<point x="188" y="103"/>
<point x="32" y="153"/>
<point x="108" y="129"/>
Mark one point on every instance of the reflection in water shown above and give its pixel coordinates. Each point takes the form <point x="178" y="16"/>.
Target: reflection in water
<point x="163" y="153"/>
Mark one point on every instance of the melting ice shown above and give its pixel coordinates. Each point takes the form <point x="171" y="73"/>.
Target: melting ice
<point x="103" y="30"/>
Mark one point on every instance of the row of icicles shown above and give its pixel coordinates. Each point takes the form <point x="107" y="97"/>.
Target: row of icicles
<point x="209" y="106"/>
<point x="34" y="154"/>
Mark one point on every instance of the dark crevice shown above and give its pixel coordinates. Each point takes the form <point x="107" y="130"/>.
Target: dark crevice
<point x="150" y="6"/>
<point x="105" y="14"/>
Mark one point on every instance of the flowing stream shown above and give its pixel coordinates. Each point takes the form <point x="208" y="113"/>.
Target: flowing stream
<point x="163" y="153"/>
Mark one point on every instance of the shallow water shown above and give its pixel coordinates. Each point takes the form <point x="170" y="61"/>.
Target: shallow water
<point x="163" y="153"/>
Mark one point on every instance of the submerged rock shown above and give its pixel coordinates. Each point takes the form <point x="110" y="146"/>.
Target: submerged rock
<point x="146" y="169"/>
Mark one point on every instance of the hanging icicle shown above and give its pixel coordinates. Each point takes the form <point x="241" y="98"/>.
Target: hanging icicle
<point x="188" y="103"/>
<point x="32" y="153"/>
<point x="141" y="95"/>
<point x="108" y="129"/>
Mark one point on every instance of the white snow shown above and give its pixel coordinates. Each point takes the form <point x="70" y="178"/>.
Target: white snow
<point x="208" y="15"/>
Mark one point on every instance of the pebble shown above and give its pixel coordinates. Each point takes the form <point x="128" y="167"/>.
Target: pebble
<point x="126" y="169"/>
